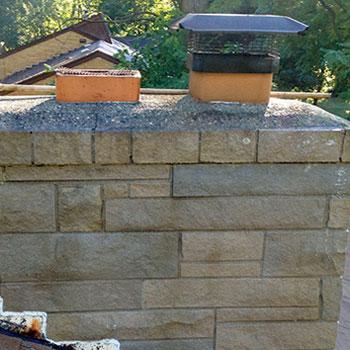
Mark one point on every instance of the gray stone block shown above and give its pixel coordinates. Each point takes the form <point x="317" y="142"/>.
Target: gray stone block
<point x="15" y="148"/>
<point x="305" y="253"/>
<point x="332" y="295"/>
<point x="260" y="179"/>
<point x="112" y="147"/>
<point x="55" y="257"/>
<point x="27" y="208"/>
<point x="346" y="150"/>
<point x="214" y="213"/>
<point x="339" y="213"/>
<point x="231" y="293"/>
<point x="178" y="344"/>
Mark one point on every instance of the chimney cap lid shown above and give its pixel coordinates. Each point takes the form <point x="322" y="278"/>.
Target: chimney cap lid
<point x="234" y="23"/>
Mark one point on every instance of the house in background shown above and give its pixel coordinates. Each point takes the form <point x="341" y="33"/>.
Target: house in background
<point x="87" y="44"/>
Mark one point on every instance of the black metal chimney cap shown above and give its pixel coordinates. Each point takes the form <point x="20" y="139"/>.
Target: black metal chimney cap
<point x="228" y="23"/>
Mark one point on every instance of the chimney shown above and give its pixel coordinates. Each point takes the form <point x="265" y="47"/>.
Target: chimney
<point x="233" y="57"/>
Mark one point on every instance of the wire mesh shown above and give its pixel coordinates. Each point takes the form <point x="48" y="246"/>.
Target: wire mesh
<point x="243" y="43"/>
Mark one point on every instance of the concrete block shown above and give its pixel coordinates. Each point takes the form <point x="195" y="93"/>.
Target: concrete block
<point x="165" y="147"/>
<point x="62" y="148"/>
<point x="332" y="296"/>
<point x="150" y="190"/>
<point x="346" y="149"/>
<point x="214" y="213"/>
<point x="286" y="146"/>
<point x="237" y="146"/>
<point x="113" y="191"/>
<point x="15" y="148"/>
<point x="177" y="344"/>
<point x="339" y="215"/>
<point x="112" y="147"/>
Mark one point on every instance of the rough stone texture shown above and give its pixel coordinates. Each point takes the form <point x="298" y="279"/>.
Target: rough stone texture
<point x="107" y="344"/>
<point x="79" y="209"/>
<point x="88" y="256"/>
<point x="331" y="294"/>
<point x="62" y="148"/>
<point x="346" y="150"/>
<point x="15" y="148"/>
<point x="112" y="147"/>
<point x="261" y="179"/>
<point x="231" y="293"/>
<point x="214" y="213"/>
<point x="275" y="336"/>
<point x="268" y="314"/>
<point x="73" y="296"/>
<point x="112" y="191"/>
<point x="133" y="325"/>
<point x="27" y="208"/>
<point x="228" y="147"/>
<point x="305" y="253"/>
<point x="283" y="146"/>
<point x="150" y="190"/>
<point x="339" y="214"/>
<point x="166" y="148"/>
<point x="222" y="246"/>
<point x="88" y="173"/>
<point x="220" y="270"/>
<point x="178" y="344"/>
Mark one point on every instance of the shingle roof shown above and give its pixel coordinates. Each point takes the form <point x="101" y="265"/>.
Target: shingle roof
<point x="71" y="58"/>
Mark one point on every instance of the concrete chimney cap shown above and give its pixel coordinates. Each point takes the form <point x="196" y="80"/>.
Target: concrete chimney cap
<point x="232" y="23"/>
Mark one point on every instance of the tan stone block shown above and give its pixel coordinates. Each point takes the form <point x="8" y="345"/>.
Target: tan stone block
<point x="222" y="246"/>
<point x="79" y="208"/>
<point x="214" y="213"/>
<point x="165" y="147"/>
<point x="27" y="208"/>
<point x="308" y="253"/>
<point x="88" y="256"/>
<point x="62" y="148"/>
<point x="236" y="146"/>
<point x="112" y="147"/>
<point x="283" y="146"/>
<point x="73" y="296"/>
<point x="220" y="270"/>
<point x="112" y="191"/>
<point x="346" y="150"/>
<point x="268" y="314"/>
<point x="150" y="190"/>
<point x="133" y="325"/>
<point x="277" y="336"/>
<point x="339" y="215"/>
<point x="332" y="295"/>
<point x="231" y="293"/>
<point x="15" y="148"/>
<point x="178" y="344"/>
<point x="88" y="173"/>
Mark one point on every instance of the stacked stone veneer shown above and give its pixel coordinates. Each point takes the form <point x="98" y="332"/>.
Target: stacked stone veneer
<point x="178" y="240"/>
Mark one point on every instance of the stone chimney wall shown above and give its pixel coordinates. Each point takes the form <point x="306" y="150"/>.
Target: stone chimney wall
<point x="201" y="240"/>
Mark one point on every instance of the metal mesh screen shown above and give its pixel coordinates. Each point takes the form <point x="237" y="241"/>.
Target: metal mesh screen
<point x="243" y="43"/>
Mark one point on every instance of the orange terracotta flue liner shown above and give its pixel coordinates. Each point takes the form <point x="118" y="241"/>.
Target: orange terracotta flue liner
<point x="93" y="85"/>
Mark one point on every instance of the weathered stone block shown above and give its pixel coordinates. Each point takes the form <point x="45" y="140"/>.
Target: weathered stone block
<point x="73" y="296"/>
<point x="222" y="246"/>
<point x="88" y="173"/>
<point x="133" y="325"/>
<point x="277" y="336"/>
<point x="166" y="147"/>
<point x="284" y="146"/>
<point x="237" y="146"/>
<point x="150" y="190"/>
<point x="214" y="213"/>
<point x="27" y="208"/>
<point x="220" y="270"/>
<point x="268" y="314"/>
<point x="178" y="344"/>
<point x="260" y="179"/>
<point x="79" y="209"/>
<point x="112" y="147"/>
<point x="62" y="148"/>
<point x="309" y="253"/>
<point x="339" y="215"/>
<point x="15" y="148"/>
<point x="231" y="293"/>
<point x="112" y="191"/>
<point x="332" y="295"/>
<point x="346" y="150"/>
<point x="98" y="256"/>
